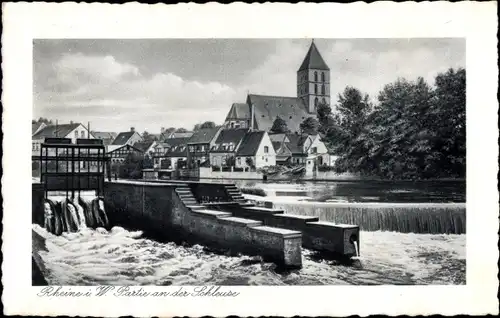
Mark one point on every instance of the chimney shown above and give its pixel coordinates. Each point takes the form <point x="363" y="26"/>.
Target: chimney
<point x="71" y="122"/>
<point x="132" y="129"/>
<point x="252" y="116"/>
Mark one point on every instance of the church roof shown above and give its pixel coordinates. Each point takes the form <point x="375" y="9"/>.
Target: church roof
<point x="238" y="111"/>
<point x="266" y="108"/>
<point x="313" y="60"/>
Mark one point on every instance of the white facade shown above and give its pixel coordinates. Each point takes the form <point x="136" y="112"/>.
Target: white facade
<point x="265" y="155"/>
<point x="80" y="132"/>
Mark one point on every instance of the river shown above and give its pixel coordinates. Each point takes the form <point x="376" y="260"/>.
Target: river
<point x="121" y="257"/>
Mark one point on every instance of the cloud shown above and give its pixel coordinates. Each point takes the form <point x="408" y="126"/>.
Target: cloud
<point x="115" y="94"/>
<point x="102" y="87"/>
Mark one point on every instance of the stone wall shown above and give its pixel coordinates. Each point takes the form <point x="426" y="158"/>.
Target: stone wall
<point x="207" y="173"/>
<point x="37" y="200"/>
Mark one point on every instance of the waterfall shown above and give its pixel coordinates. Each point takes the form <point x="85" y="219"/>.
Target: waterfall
<point x="64" y="215"/>
<point x="404" y="218"/>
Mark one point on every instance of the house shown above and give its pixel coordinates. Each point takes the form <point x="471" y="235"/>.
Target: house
<point x="127" y="138"/>
<point x="36" y="127"/>
<point x="223" y="149"/>
<point x="176" y="156"/>
<point x="260" y="111"/>
<point x="118" y="153"/>
<point x="106" y="137"/>
<point x="147" y="147"/>
<point x="256" y="150"/>
<point x="199" y="145"/>
<point x="174" y="134"/>
<point x="72" y="131"/>
<point x="283" y="153"/>
<point x="169" y="149"/>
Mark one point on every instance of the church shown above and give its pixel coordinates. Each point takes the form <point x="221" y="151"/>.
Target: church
<point x="260" y="111"/>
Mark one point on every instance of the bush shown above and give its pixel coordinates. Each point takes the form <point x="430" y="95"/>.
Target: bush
<point x="326" y="168"/>
<point x="254" y="191"/>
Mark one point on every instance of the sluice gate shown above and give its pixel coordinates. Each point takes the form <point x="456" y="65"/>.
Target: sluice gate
<point x="215" y="215"/>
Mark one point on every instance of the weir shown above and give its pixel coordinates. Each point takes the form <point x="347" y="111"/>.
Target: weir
<point x="215" y="215"/>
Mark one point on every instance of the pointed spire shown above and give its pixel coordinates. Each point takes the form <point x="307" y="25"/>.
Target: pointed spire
<point x="313" y="59"/>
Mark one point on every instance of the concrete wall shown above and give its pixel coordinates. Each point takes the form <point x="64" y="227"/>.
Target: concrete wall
<point x="207" y="173"/>
<point x="156" y="209"/>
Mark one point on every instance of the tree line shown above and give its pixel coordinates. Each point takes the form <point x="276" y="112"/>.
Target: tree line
<point x="413" y="131"/>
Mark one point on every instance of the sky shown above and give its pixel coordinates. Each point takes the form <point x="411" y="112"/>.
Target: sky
<point x="116" y="84"/>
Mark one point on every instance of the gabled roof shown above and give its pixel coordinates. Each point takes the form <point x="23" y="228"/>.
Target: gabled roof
<point x="54" y="131"/>
<point x="172" y="142"/>
<point x="313" y="60"/>
<point x="267" y="108"/>
<point x="229" y="136"/>
<point x="144" y="146"/>
<point x="36" y="126"/>
<point x="171" y="135"/>
<point x="113" y="148"/>
<point x="203" y="136"/>
<point x="123" y="138"/>
<point x="104" y="134"/>
<point x="278" y="137"/>
<point x="250" y="143"/>
<point x="177" y="151"/>
<point x="239" y="111"/>
<point x="296" y="143"/>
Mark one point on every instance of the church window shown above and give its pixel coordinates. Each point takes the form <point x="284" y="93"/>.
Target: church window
<point x="315" y="76"/>
<point x="315" y="88"/>
<point x="316" y="101"/>
<point x="323" y="89"/>
<point x="324" y="100"/>
<point x="323" y="77"/>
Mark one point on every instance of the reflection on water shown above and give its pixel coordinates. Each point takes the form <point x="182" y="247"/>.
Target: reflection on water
<point x="120" y="257"/>
<point x="362" y="191"/>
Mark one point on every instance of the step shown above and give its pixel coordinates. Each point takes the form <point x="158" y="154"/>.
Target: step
<point x="241" y="221"/>
<point x="277" y="231"/>
<point x="196" y="207"/>
<point x="211" y="213"/>
<point x="246" y="204"/>
<point x="191" y="202"/>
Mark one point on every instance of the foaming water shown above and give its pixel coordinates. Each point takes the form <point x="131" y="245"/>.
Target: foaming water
<point x="121" y="257"/>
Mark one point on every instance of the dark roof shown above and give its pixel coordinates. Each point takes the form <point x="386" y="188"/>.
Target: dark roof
<point x="239" y="111"/>
<point x="177" y="151"/>
<point x="172" y="142"/>
<point x="250" y="143"/>
<point x="104" y="134"/>
<point x="296" y="142"/>
<point x="229" y="136"/>
<point x="143" y="146"/>
<point x="114" y="148"/>
<point x="123" y="137"/>
<point x="35" y="127"/>
<point x="53" y="131"/>
<point x="171" y="135"/>
<point x="203" y="136"/>
<point x="313" y="60"/>
<point x="267" y="108"/>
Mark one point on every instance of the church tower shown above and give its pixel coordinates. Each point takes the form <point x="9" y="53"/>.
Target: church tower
<point x="313" y="80"/>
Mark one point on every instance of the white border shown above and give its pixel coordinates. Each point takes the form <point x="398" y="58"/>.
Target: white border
<point x="475" y="21"/>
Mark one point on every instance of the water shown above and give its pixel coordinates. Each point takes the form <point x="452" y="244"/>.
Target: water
<point x="362" y="191"/>
<point x="62" y="214"/>
<point x="121" y="257"/>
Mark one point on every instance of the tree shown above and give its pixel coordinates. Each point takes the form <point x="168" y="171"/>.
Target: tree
<point x="181" y="130"/>
<point x="204" y="125"/>
<point x="148" y="162"/>
<point x="309" y="126"/>
<point x="279" y="126"/>
<point x="249" y="162"/>
<point x="147" y="137"/>
<point x="230" y="161"/>
<point x="132" y="166"/>
<point x="43" y="120"/>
